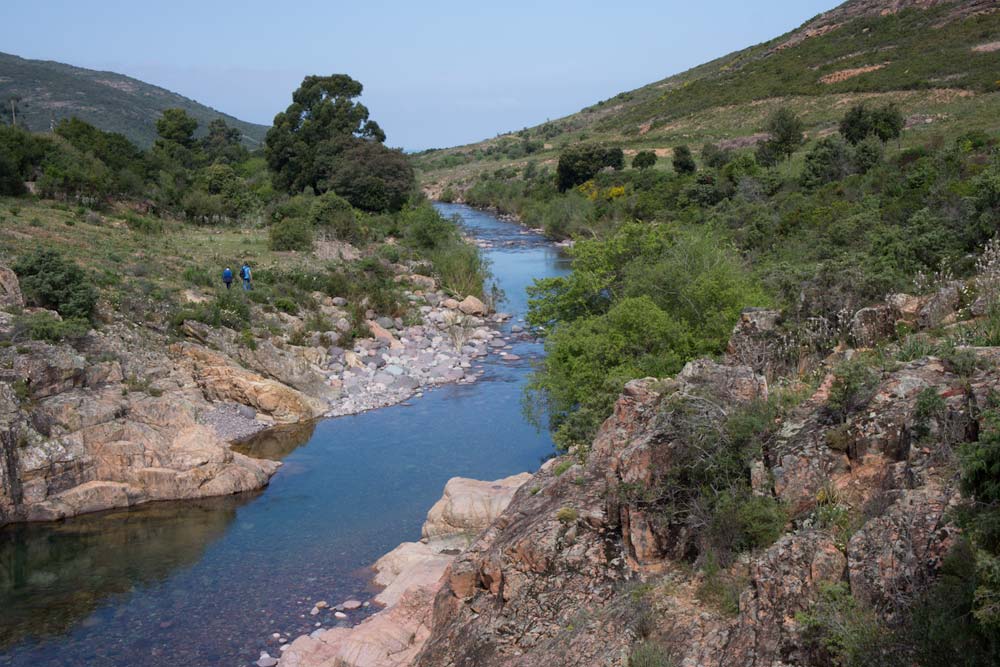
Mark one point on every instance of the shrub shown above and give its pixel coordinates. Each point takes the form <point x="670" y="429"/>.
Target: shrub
<point x="286" y="305"/>
<point x="649" y="654"/>
<point x="644" y="160"/>
<point x="853" y="384"/>
<point x="50" y="281"/>
<point x="143" y="225"/>
<point x="838" y="631"/>
<point x="885" y="123"/>
<point x="291" y="234"/>
<point x="683" y="160"/>
<point x="567" y="515"/>
<point x="579" y="164"/>
<point x="44" y="326"/>
<point x="829" y="160"/>
<point x="228" y="309"/>
<point x="332" y="214"/>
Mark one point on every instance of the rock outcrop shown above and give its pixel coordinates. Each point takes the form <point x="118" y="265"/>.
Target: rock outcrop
<point x="411" y="575"/>
<point x="548" y="581"/>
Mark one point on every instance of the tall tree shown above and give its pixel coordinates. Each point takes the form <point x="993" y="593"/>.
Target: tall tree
<point x="222" y="143"/>
<point x="176" y="127"/>
<point x="323" y="110"/>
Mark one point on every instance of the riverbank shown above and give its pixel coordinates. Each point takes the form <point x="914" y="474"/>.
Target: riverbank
<point x="409" y="576"/>
<point x="215" y="579"/>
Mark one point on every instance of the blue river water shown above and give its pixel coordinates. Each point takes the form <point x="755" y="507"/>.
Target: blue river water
<point x="208" y="582"/>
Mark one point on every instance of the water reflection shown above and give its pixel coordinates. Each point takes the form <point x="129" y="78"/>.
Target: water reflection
<point x="53" y="576"/>
<point x="276" y="443"/>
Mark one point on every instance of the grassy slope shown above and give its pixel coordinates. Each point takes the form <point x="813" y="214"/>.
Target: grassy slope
<point x="929" y="67"/>
<point x="134" y="265"/>
<point x="109" y="101"/>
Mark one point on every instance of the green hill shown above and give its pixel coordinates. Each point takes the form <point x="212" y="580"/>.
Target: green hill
<point x="939" y="60"/>
<point x="50" y="91"/>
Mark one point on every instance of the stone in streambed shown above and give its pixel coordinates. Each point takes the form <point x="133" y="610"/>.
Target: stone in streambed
<point x="351" y="605"/>
<point x="470" y="305"/>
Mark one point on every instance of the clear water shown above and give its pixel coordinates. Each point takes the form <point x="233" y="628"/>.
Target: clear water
<point x="208" y="582"/>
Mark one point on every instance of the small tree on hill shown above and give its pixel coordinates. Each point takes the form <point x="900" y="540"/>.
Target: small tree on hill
<point x="684" y="160"/>
<point x="644" y="160"/>
<point x="579" y="164"/>
<point x="786" y="130"/>
<point x="860" y="122"/>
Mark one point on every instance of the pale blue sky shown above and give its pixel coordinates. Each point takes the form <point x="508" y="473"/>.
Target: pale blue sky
<point x="436" y="73"/>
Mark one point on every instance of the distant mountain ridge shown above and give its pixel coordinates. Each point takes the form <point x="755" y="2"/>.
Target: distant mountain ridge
<point x="50" y="91"/>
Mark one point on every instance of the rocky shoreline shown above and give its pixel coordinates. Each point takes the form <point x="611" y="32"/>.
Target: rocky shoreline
<point x="130" y="415"/>
<point x="410" y="577"/>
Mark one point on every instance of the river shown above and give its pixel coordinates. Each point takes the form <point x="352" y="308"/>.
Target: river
<point x="207" y="582"/>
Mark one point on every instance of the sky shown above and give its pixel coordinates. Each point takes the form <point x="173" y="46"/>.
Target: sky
<point x="435" y="73"/>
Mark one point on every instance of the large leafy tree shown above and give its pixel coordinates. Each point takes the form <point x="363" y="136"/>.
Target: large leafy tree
<point x="323" y="118"/>
<point x="579" y="164"/>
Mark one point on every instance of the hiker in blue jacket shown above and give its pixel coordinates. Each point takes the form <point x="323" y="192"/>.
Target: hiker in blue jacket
<point x="246" y="276"/>
<point x="227" y="277"/>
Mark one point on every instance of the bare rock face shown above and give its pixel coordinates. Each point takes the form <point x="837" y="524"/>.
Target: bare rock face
<point x="221" y="380"/>
<point x="469" y="505"/>
<point x="784" y="580"/>
<point x="895" y="555"/>
<point x="126" y="452"/>
<point x="543" y="584"/>
<point x="10" y="289"/>
<point x="115" y="423"/>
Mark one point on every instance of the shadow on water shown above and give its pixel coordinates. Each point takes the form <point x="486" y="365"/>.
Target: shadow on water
<point x="54" y="576"/>
<point x="276" y="443"/>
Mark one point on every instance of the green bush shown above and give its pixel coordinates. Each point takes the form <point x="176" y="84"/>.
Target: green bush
<point x="683" y="160"/>
<point x="291" y="234"/>
<point x="837" y="631"/>
<point x="332" y="215"/>
<point x="644" y="160"/>
<point x="612" y="320"/>
<point x="228" y="309"/>
<point x="579" y="164"/>
<point x="852" y="388"/>
<point x="44" y="326"/>
<point x="50" y="281"/>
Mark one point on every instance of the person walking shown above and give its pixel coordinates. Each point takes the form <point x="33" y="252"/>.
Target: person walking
<point x="227" y="277"/>
<point x="246" y="276"/>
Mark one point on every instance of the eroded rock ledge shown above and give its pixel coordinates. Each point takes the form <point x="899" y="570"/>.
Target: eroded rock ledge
<point x="411" y="574"/>
<point x="129" y="415"/>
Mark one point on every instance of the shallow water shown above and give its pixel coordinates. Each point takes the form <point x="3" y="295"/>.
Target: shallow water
<point x="207" y="582"/>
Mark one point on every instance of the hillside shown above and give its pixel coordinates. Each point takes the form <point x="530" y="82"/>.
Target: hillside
<point x="937" y="60"/>
<point x="51" y="91"/>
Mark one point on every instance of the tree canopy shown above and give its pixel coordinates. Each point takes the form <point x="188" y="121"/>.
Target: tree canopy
<point x="325" y="140"/>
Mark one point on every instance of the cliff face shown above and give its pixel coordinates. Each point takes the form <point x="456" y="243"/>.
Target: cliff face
<point x="558" y="578"/>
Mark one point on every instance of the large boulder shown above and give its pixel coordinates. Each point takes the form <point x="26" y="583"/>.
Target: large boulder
<point x="870" y="326"/>
<point x="10" y="289"/>
<point x="220" y="380"/>
<point x="470" y="305"/>
<point x="942" y="307"/>
<point x="468" y="506"/>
